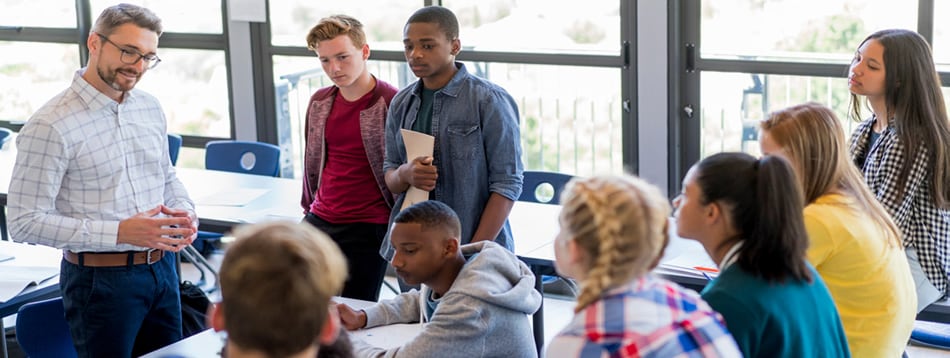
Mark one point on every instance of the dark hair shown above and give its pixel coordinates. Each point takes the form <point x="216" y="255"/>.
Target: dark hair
<point x="431" y="214"/>
<point x="121" y="14"/>
<point x="444" y="17"/>
<point x="912" y="91"/>
<point x="764" y="202"/>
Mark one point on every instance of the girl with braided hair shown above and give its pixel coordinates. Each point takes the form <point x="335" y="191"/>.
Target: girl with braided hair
<point x="747" y="214"/>
<point x="613" y="232"/>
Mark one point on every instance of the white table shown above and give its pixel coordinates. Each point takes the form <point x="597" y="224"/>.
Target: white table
<point x="25" y="255"/>
<point x="209" y="343"/>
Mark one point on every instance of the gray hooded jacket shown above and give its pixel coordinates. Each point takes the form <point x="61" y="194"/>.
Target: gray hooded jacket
<point x="484" y="313"/>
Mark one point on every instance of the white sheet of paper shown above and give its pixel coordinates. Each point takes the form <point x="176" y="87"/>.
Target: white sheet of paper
<point x="389" y="336"/>
<point x="417" y="145"/>
<point x="13" y="279"/>
<point x="231" y="197"/>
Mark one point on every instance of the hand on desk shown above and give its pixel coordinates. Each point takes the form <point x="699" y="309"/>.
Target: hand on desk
<point x="171" y="233"/>
<point x="351" y="318"/>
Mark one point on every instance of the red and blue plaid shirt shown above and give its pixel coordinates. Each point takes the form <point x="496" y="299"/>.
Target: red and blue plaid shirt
<point x="649" y="317"/>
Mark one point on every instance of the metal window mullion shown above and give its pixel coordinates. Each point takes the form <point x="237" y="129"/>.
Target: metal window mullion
<point x="925" y="19"/>
<point x="772" y="67"/>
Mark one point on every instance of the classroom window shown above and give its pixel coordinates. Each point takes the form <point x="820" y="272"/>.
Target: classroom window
<point x="291" y="20"/>
<point x="192" y="86"/>
<point x="738" y="60"/>
<point x="189" y="16"/>
<point x="735" y="103"/>
<point x="796" y="30"/>
<point x="38" y="13"/>
<point x="32" y="73"/>
<point x="941" y="42"/>
<point x="570" y="111"/>
<point x="539" y="26"/>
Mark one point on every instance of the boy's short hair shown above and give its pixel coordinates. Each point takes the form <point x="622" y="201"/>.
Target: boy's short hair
<point x="431" y="214"/>
<point x="121" y="14"/>
<point x="276" y="283"/>
<point x="444" y="17"/>
<point x="332" y="26"/>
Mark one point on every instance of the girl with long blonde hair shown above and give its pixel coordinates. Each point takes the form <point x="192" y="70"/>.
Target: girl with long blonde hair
<point x="853" y="243"/>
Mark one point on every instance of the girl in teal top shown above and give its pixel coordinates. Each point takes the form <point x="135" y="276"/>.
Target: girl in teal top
<point x="747" y="214"/>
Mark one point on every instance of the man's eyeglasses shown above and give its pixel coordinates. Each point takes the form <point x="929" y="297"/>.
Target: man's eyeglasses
<point x="130" y="57"/>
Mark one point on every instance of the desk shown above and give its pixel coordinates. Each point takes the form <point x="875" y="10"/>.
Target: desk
<point x="209" y="342"/>
<point x="31" y="256"/>
<point x="279" y="198"/>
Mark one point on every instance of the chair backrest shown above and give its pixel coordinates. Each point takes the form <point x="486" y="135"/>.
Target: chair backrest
<point x="5" y="135"/>
<point x="543" y="187"/>
<point x="243" y="157"/>
<point x="174" y="144"/>
<point x="41" y="330"/>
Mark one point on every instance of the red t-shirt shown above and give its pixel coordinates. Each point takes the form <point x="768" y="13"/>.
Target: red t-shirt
<point x="348" y="192"/>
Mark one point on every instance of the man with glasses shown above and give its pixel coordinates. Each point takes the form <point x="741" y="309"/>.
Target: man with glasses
<point x="93" y="178"/>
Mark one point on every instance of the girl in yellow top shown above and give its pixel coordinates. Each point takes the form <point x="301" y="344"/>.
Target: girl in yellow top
<point x="853" y="243"/>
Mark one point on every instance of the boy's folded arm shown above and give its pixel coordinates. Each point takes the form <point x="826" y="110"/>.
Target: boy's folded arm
<point x="404" y="308"/>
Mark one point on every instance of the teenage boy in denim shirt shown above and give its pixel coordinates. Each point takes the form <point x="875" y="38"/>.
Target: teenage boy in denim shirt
<point x="476" y="165"/>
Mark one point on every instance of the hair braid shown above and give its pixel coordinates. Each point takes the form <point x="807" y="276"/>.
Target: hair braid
<point x="619" y="222"/>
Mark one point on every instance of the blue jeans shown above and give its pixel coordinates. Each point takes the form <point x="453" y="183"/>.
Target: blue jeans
<point x="121" y="311"/>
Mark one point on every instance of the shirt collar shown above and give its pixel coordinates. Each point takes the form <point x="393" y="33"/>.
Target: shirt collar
<point x="451" y="88"/>
<point x="91" y="97"/>
<point x="730" y="257"/>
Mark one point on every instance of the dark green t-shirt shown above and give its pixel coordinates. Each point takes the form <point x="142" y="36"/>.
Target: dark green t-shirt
<point x="423" y="123"/>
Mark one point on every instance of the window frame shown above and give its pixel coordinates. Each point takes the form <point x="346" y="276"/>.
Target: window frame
<point x="687" y="65"/>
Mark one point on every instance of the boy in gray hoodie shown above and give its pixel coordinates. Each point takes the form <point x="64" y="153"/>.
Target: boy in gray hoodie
<point x="474" y="300"/>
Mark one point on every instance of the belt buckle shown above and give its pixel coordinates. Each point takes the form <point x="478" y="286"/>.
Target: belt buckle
<point x="148" y="256"/>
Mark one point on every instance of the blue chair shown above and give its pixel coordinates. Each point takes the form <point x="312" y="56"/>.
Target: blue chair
<point x="41" y="330"/>
<point x="931" y="334"/>
<point x="174" y="145"/>
<point x="238" y="157"/>
<point x="243" y="157"/>
<point x="546" y="188"/>
<point x="543" y="187"/>
<point x="5" y="135"/>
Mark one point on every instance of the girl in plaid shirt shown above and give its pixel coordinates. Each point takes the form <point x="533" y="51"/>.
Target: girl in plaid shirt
<point x="613" y="231"/>
<point x="902" y="148"/>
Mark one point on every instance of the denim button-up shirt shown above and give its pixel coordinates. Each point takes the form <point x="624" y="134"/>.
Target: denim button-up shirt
<point x="477" y="147"/>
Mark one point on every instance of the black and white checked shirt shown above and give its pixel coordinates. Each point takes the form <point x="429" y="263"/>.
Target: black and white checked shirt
<point x="85" y="162"/>
<point x="924" y="226"/>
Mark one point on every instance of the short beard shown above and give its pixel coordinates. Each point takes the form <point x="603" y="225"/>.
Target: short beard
<point x="109" y="79"/>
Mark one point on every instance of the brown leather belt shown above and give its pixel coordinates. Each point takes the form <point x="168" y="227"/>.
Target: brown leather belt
<point x="113" y="259"/>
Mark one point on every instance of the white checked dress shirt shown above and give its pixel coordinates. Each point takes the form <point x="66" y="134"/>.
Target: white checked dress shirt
<point x="85" y="162"/>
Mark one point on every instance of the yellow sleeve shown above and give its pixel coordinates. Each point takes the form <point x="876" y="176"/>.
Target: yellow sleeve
<point x="820" y="239"/>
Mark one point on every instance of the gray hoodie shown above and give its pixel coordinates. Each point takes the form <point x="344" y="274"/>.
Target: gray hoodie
<point x="483" y="314"/>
